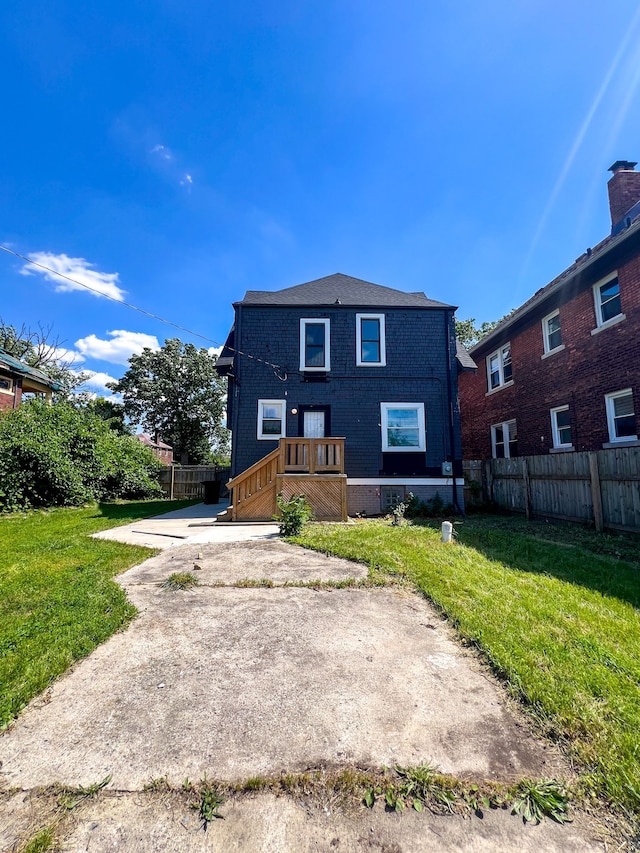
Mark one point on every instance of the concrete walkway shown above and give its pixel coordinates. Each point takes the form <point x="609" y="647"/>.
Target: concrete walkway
<point x="234" y="680"/>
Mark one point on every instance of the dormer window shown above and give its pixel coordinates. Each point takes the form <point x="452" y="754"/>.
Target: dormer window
<point x="314" y="344"/>
<point x="370" y="340"/>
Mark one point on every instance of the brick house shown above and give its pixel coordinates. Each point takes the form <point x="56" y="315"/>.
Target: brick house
<point x="162" y="451"/>
<point x="562" y="372"/>
<point x="17" y="378"/>
<point x="348" y="386"/>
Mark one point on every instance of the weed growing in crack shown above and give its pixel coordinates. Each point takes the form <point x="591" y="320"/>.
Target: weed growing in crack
<point x="211" y="799"/>
<point x="72" y="797"/>
<point x="180" y="581"/>
<point x="536" y="800"/>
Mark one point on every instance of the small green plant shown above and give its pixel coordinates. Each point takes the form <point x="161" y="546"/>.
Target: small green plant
<point x="294" y="514"/>
<point x="180" y="580"/>
<point x="535" y="800"/>
<point x="433" y="508"/>
<point x="210" y="801"/>
<point x="398" y="513"/>
<point x="423" y="783"/>
<point x="72" y="797"/>
<point x="41" y="842"/>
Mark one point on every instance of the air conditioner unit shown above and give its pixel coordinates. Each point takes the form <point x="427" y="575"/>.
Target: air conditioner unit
<point x="447" y="469"/>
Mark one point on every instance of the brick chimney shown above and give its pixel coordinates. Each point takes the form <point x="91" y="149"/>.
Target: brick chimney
<point x="624" y="189"/>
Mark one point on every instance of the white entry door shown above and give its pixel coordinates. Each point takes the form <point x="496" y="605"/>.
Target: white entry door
<point x="314" y="424"/>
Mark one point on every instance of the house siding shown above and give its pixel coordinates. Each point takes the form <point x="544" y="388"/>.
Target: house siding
<point x="420" y="350"/>
<point x="579" y="376"/>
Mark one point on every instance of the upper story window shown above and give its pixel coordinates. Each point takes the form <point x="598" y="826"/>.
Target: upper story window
<point x="552" y="333"/>
<point x="561" y="428"/>
<point x="606" y="295"/>
<point x="403" y="427"/>
<point x="621" y="416"/>
<point x="314" y="344"/>
<point x="6" y="384"/>
<point x="271" y="419"/>
<point x="499" y="370"/>
<point x="370" y="340"/>
<point x="504" y="440"/>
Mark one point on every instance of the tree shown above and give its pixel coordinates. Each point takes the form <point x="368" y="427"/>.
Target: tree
<point x="469" y="334"/>
<point x="175" y="394"/>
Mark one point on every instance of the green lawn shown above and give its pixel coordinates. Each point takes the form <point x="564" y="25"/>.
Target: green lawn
<point x="57" y="597"/>
<point x="554" y="609"/>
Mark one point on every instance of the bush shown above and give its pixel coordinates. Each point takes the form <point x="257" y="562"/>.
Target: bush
<point x="294" y="514"/>
<point x="434" y="508"/>
<point x="65" y="456"/>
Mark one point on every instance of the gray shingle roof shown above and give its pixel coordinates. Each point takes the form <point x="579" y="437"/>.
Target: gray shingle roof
<point x="340" y="289"/>
<point x="464" y="359"/>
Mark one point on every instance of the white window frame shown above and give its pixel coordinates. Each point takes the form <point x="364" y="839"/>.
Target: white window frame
<point x="548" y="349"/>
<point x="597" y="300"/>
<point x="500" y="354"/>
<point x="555" y="429"/>
<point x="506" y="432"/>
<point x="383" y="350"/>
<point x="609" y="404"/>
<point x="261" y="418"/>
<point x="324" y="321"/>
<point x="384" y="420"/>
<point x="11" y="388"/>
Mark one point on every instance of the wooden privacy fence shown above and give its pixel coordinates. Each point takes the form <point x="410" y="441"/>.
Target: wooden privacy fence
<point x="180" y="482"/>
<point x="602" y="486"/>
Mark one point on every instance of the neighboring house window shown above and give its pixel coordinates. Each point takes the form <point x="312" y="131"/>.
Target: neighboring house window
<point x="499" y="370"/>
<point x="504" y="440"/>
<point x="370" y="341"/>
<point x="561" y="427"/>
<point x="551" y="332"/>
<point x="403" y="427"/>
<point x="6" y="384"/>
<point x="607" y="299"/>
<point x="271" y="419"/>
<point x="314" y="344"/>
<point x="621" y="416"/>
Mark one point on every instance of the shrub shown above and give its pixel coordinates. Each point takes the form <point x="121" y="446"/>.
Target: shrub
<point x="294" y="514"/>
<point x="65" y="456"/>
<point x="433" y="508"/>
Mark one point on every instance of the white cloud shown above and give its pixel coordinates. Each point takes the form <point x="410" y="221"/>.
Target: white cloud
<point x="78" y="272"/>
<point x="214" y="351"/>
<point x="162" y="151"/>
<point x="67" y="356"/>
<point x="186" y="181"/>
<point x="119" y="349"/>
<point x="98" y="382"/>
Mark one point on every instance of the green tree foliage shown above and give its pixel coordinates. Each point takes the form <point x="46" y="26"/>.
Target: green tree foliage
<point x="63" y="455"/>
<point x="174" y="393"/>
<point x="469" y="334"/>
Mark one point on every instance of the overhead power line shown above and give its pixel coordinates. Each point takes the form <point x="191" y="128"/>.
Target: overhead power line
<point x="276" y="367"/>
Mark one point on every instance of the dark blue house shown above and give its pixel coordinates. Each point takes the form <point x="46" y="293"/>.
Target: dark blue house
<point x="344" y="390"/>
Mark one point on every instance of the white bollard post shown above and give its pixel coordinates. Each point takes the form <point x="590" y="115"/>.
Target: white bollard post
<point x="447" y="529"/>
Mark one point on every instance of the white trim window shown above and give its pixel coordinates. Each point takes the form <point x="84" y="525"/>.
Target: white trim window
<point x="561" y="428"/>
<point x="314" y="344"/>
<point x="606" y="295"/>
<point x="272" y="419"/>
<point x="499" y="369"/>
<point x="6" y="384"/>
<point x="403" y="427"/>
<point x="504" y="440"/>
<point x="552" y="332"/>
<point x="621" y="416"/>
<point x="370" y="340"/>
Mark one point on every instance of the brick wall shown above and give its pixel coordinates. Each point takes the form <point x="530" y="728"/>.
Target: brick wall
<point x="579" y="376"/>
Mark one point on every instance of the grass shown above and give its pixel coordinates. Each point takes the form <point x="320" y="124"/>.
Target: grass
<point x="554" y="609"/>
<point x="57" y="597"/>
<point x="180" y="581"/>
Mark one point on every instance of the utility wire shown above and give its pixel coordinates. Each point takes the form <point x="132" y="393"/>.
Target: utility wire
<point x="276" y="367"/>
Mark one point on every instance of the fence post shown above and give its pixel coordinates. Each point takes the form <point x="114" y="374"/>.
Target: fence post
<point x="488" y="475"/>
<point x="596" y="493"/>
<point x="527" y="488"/>
<point x="173" y="479"/>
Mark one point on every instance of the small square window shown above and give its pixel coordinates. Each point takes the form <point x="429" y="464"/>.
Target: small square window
<point x="271" y="419"/>
<point x="370" y="340"/>
<point x="403" y="427"/>
<point x="561" y="427"/>
<point x="551" y="332"/>
<point x="499" y="369"/>
<point x="390" y="497"/>
<point x="621" y="416"/>
<point x="6" y="384"/>
<point x="606" y="294"/>
<point x="314" y="344"/>
<point x="504" y="440"/>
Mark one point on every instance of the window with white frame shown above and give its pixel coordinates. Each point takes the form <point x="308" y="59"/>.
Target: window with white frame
<point x="561" y="427"/>
<point x="606" y="294"/>
<point x="403" y="427"/>
<point x="314" y="344"/>
<point x="504" y="440"/>
<point x="6" y="384"/>
<point x="551" y="332"/>
<point x="499" y="370"/>
<point x="370" y="340"/>
<point x="271" y="419"/>
<point x="621" y="416"/>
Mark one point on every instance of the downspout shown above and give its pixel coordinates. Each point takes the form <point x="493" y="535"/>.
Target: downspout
<point x="237" y="370"/>
<point x="448" y="319"/>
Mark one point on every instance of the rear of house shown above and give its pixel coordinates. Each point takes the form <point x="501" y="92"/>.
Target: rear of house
<point x="347" y="359"/>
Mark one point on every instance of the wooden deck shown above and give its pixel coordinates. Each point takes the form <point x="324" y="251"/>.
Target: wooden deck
<point x="313" y="467"/>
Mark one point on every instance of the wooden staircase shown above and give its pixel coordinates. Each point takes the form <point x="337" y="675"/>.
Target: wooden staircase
<point x="313" y="467"/>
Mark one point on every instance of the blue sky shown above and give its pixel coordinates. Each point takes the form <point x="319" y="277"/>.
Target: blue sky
<point x="177" y="154"/>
